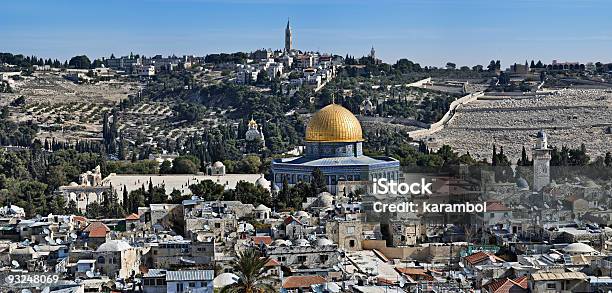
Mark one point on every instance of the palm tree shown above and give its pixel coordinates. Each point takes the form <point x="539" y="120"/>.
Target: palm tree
<point x="251" y="270"/>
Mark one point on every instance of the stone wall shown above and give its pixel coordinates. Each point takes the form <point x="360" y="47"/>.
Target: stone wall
<point x="447" y="118"/>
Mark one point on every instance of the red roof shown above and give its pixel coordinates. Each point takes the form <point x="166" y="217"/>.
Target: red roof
<point x="507" y="285"/>
<point x="272" y="263"/>
<point x="415" y="273"/>
<point x="291" y="219"/>
<point x="98" y="232"/>
<point x="480" y="256"/>
<point x="96" y="225"/>
<point x="267" y="240"/>
<point x="294" y="282"/>
<point x="133" y="216"/>
<point x="79" y="219"/>
<point x="496" y="207"/>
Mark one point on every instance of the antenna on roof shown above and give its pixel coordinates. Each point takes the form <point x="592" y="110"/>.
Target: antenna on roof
<point x="15" y="264"/>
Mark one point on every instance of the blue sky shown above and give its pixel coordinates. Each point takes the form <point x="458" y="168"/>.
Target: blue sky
<point x="431" y="32"/>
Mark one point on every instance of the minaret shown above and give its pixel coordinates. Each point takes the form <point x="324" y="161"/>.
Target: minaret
<point x="541" y="162"/>
<point x="288" y="39"/>
<point x="373" y="53"/>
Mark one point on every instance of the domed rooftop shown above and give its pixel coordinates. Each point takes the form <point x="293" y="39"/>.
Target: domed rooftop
<point x="73" y="184"/>
<point x="279" y="242"/>
<point x="302" y="214"/>
<point x="324" y="242"/>
<point x="333" y="123"/>
<point x="113" y="245"/>
<point x="521" y="183"/>
<point x="541" y="134"/>
<point x="224" y="279"/>
<point x="262" y="207"/>
<point x="302" y="242"/>
<point x="325" y="199"/>
<point x="579" y="248"/>
<point x="218" y="164"/>
<point x="261" y="181"/>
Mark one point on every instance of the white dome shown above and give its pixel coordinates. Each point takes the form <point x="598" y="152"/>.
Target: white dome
<point x="262" y="182"/>
<point x="73" y="184"/>
<point x="579" y="248"/>
<point x="113" y="245"/>
<point x="262" y="208"/>
<point x="218" y="164"/>
<point x="302" y="242"/>
<point x="224" y="279"/>
<point x="324" y="242"/>
<point x="279" y="242"/>
<point x="302" y="214"/>
<point x="325" y="199"/>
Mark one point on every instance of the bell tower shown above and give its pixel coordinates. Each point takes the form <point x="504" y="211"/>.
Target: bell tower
<point x="288" y="38"/>
<point x="541" y="162"/>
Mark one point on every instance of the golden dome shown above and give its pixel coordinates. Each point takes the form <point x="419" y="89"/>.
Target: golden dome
<point x="334" y="123"/>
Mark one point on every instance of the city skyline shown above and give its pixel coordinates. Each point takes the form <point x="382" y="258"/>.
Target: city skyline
<point x="428" y="32"/>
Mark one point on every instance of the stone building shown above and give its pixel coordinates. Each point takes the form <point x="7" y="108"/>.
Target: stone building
<point x="302" y="254"/>
<point x="181" y="253"/>
<point x="90" y="189"/>
<point x="348" y="234"/>
<point x="216" y="169"/>
<point x="334" y="146"/>
<point x="117" y="259"/>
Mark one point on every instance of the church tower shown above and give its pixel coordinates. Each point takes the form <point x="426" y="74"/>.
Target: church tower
<point x="541" y="162"/>
<point x="288" y="39"/>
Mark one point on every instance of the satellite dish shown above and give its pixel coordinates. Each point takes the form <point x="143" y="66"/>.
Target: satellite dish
<point x="51" y="241"/>
<point x="46" y="290"/>
<point x="73" y="235"/>
<point x="402" y="282"/>
<point x="48" y="239"/>
<point x="178" y="237"/>
<point x="206" y="227"/>
<point x="90" y="274"/>
<point x="66" y="220"/>
<point x="46" y="231"/>
<point x="58" y="241"/>
<point x="15" y="264"/>
<point x="26" y="291"/>
<point x="36" y="248"/>
<point x="50" y="216"/>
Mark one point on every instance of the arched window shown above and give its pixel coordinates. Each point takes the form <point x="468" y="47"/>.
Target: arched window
<point x="101" y="260"/>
